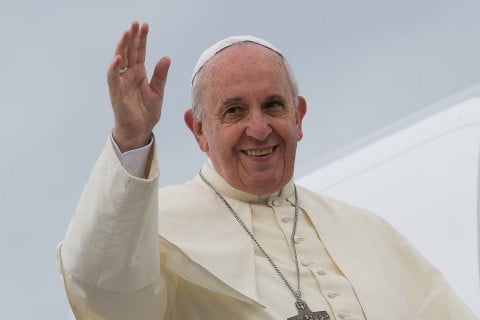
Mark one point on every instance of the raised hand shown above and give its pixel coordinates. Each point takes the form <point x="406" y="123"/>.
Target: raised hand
<point x="137" y="104"/>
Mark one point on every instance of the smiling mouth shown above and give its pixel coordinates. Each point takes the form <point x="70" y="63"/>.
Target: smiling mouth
<point x="259" y="152"/>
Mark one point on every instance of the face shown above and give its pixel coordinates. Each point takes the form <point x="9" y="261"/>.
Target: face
<point x="250" y="125"/>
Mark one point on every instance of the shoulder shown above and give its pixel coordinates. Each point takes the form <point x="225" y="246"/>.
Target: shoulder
<point x="335" y="206"/>
<point x="187" y="202"/>
<point x="338" y="212"/>
<point x="192" y="192"/>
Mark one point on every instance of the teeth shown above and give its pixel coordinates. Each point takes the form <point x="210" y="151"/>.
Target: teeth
<point x="257" y="153"/>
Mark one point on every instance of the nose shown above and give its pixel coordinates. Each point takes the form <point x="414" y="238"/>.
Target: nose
<point x="258" y="126"/>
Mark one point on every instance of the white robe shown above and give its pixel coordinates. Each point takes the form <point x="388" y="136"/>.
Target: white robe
<point x="133" y="253"/>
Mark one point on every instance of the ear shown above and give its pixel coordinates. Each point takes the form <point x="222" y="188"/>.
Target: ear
<point x="196" y="126"/>
<point x="299" y="114"/>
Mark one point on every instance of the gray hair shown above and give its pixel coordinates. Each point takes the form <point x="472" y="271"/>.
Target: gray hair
<point x="199" y="85"/>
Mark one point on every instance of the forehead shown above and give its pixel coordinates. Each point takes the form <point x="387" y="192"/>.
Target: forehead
<point x="244" y="49"/>
<point x="243" y="61"/>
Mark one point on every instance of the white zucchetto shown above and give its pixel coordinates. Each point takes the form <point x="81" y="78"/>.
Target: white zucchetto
<point x="225" y="43"/>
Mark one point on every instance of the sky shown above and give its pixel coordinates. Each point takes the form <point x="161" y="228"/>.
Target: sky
<point x="362" y="65"/>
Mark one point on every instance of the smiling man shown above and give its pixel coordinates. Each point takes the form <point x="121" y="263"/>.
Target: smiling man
<point x="251" y="120"/>
<point x="240" y="240"/>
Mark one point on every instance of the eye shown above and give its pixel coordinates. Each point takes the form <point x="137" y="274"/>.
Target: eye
<point x="233" y="113"/>
<point x="275" y="107"/>
<point x="274" y="104"/>
<point x="233" y="110"/>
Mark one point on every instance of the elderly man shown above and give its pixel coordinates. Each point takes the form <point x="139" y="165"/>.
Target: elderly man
<point x="240" y="240"/>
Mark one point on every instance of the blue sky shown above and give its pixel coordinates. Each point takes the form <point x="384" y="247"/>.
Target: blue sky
<point x="362" y="65"/>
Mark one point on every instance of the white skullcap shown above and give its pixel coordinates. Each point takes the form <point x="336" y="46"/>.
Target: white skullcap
<point x="227" y="42"/>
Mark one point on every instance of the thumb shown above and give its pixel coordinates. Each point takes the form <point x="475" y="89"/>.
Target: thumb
<point x="159" y="77"/>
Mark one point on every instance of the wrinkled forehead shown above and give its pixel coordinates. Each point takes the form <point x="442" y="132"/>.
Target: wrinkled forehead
<point x="225" y="43"/>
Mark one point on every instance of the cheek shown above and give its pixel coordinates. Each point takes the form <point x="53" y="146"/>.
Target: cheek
<point x="222" y="140"/>
<point x="294" y="133"/>
<point x="216" y="144"/>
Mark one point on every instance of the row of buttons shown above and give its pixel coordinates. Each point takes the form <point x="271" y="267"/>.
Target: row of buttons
<point x="307" y="262"/>
<point x="297" y="239"/>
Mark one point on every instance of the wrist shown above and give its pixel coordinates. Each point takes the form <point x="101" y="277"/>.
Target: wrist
<point x="127" y="142"/>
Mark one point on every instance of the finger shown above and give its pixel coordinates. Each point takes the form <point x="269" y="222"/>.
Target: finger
<point x="116" y="64"/>
<point x="142" y="43"/>
<point x="113" y="73"/>
<point x="159" y="77"/>
<point x="133" y="43"/>
<point x="120" y="60"/>
<point x="122" y="45"/>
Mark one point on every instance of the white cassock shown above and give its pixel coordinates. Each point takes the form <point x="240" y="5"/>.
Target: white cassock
<point x="135" y="252"/>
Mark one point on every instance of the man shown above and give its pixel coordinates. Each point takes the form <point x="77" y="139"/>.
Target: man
<point x="240" y="240"/>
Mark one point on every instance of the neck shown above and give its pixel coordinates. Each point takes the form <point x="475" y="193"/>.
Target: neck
<point x="228" y="190"/>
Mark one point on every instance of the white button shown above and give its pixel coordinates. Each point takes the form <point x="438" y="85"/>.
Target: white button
<point x="332" y="295"/>
<point x="286" y="219"/>
<point x="298" y="239"/>
<point x="321" y="272"/>
<point x="306" y="262"/>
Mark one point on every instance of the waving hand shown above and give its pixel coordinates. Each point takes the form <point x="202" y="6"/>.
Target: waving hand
<point x="136" y="102"/>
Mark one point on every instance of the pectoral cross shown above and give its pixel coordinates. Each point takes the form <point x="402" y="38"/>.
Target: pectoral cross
<point x="304" y="313"/>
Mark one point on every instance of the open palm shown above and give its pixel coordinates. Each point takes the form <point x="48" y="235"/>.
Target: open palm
<point x="136" y="103"/>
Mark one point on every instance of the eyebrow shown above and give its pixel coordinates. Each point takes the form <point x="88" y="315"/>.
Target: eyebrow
<point x="276" y="97"/>
<point x="230" y="101"/>
<point x="234" y="100"/>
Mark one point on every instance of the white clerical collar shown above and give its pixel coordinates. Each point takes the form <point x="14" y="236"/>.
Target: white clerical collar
<point x="222" y="186"/>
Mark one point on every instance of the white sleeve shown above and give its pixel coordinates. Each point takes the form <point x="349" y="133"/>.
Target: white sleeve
<point x="109" y="257"/>
<point x="134" y="161"/>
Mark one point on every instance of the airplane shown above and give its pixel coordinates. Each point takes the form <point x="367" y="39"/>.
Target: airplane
<point x="422" y="175"/>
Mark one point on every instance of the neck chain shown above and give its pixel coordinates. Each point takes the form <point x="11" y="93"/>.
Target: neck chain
<point x="303" y="310"/>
